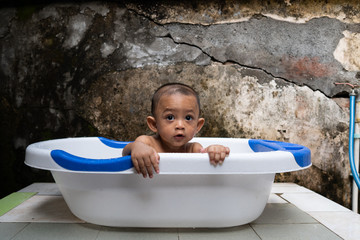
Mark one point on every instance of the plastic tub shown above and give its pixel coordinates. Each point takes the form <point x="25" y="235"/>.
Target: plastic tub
<point x="101" y="187"/>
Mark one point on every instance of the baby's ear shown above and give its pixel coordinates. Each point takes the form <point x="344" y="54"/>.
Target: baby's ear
<point x="200" y="124"/>
<point x="151" y="122"/>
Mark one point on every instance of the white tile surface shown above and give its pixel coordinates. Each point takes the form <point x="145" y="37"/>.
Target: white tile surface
<point x="312" y="201"/>
<point x="58" y="231"/>
<point x="41" y="209"/>
<point x="294" y="231"/>
<point x="284" y="214"/>
<point x="345" y="224"/>
<point x="244" y="232"/>
<point x="107" y="233"/>
<point x="43" y="189"/>
<point x="9" y="230"/>
<point x="273" y="198"/>
<point x="288" y="188"/>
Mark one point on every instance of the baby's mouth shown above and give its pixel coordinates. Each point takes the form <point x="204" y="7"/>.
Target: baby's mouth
<point x="178" y="136"/>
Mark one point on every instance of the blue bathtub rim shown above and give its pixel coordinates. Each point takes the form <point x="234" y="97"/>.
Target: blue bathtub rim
<point x="112" y="143"/>
<point x="301" y="153"/>
<point x="76" y="163"/>
<point x="68" y="161"/>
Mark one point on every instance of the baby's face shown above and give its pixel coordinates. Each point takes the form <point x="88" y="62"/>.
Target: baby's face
<point x="177" y="118"/>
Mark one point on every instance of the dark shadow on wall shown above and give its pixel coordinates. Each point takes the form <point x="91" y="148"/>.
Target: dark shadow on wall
<point x="21" y="127"/>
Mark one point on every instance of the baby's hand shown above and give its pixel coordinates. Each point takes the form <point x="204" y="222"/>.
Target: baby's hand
<point x="217" y="153"/>
<point x="144" y="159"/>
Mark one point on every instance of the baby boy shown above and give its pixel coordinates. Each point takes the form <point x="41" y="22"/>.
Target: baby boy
<point x="175" y="120"/>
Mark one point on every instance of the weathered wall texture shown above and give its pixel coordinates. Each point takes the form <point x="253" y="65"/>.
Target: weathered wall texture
<point x="263" y="70"/>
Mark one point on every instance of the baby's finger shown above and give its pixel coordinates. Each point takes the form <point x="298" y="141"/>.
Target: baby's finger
<point x="227" y="150"/>
<point x="212" y="156"/>
<point x="148" y="166"/>
<point x="217" y="157"/>
<point x="222" y="157"/>
<point x="136" y="164"/>
<point x="155" y="162"/>
<point x="142" y="168"/>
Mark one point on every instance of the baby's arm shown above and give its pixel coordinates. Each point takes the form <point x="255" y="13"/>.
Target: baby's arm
<point x="217" y="153"/>
<point x="143" y="156"/>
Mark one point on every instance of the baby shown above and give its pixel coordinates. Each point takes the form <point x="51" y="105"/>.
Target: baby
<point x="175" y="120"/>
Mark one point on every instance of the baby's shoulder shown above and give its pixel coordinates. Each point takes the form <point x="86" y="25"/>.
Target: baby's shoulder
<point x="149" y="140"/>
<point x="194" y="147"/>
<point x="145" y="139"/>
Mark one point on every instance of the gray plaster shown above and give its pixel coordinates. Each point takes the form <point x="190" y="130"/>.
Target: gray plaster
<point x="299" y="53"/>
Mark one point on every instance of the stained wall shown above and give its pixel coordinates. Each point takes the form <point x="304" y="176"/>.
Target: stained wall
<point x="263" y="70"/>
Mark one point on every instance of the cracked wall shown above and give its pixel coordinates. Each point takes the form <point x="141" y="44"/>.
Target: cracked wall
<point x="262" y="71"/>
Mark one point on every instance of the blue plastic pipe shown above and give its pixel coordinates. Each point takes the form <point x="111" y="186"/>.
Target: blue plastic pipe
<point x="351" y="140"/>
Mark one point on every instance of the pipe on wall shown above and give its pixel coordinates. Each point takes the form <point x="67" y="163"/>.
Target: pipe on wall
<point x="354" y="146"/>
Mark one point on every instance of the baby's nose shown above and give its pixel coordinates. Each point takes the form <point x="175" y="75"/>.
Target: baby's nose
<point x="179" y="124"/>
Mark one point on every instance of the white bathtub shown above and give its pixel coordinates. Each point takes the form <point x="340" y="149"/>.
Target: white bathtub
<point x="100" y="186"/>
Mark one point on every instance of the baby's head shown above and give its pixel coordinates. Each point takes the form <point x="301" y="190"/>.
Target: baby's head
<point x="175" y="116"/>
<point x="170" y="89"/>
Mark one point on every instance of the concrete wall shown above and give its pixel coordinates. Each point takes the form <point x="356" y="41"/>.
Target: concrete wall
<point x="263" y="70"/>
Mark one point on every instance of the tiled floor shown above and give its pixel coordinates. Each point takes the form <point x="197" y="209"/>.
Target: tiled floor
<point x="292" y="212"/>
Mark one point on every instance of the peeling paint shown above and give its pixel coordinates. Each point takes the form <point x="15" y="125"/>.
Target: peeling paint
<point x="107" y="49"/>
<point x="347" y="51"/>
<point x="48" y="11"/>
<point x="97" y="7"/>
<point x="231" y="11"/>
<point x="78" y="25"/>
<point x="306" y="67"/>
<point x="288" y="18"/>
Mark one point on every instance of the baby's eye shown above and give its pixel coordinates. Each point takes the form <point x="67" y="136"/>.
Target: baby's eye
<point x="188" y="118"/>
<point x="170" y="117"/>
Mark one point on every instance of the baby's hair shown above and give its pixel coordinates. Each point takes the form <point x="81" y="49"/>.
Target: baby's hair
<point x="172" y="88"/>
